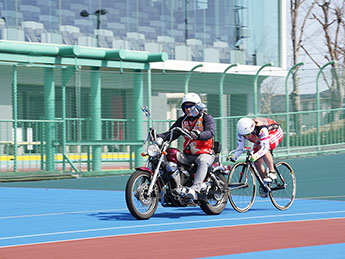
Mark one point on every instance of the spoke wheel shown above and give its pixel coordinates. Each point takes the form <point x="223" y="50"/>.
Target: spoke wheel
<point x="284" y="188"/>
<point x="242" y="187"/>
<point x="217" y="203"/>
<point x="140" y="204"/>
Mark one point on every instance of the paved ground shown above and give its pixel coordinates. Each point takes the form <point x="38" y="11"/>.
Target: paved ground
<point x="88" y="218"/>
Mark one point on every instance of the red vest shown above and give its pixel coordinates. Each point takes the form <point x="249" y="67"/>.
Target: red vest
<point x="196" y="147"/>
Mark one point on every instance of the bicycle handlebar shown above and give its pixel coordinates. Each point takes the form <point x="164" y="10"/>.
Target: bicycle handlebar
<point x="246" y="149"/>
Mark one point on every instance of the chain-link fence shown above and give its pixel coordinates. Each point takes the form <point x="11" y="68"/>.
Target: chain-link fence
<point x="56" y="120"/>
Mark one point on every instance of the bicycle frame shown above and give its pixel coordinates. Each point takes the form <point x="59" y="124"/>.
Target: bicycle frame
<point x="256" y="173"/>
<point x="251" y="164"/>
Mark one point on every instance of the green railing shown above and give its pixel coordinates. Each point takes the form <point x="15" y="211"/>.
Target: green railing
<point x="24" y="149"/>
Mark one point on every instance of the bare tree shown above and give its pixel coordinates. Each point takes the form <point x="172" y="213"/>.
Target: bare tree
<point x="270" y="88"/>
<point x="332" y="21"/>
<point x="298" y="25"/>
<point x="300" y="11"/>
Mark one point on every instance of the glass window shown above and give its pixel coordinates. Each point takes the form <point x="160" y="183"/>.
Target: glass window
<point x="226" y="31"/>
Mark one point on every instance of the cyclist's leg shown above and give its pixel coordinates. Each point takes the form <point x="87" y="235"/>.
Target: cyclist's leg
<point x="269" y="161"/>
<point x="259" y="165"/>
<point x="274" y="140"/>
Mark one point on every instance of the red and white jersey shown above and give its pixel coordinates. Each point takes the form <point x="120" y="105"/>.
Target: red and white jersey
<point x="265" y="137"/>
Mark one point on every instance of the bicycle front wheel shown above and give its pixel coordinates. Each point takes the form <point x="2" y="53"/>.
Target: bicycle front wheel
<point x="242" y="187"/>
<point x="283" y="189"/>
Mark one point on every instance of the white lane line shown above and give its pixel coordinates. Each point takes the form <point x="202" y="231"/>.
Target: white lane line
<point x="173" y="223"/>
<point x="322" y="197"/>
<point x="59" y="213"/>
<point x="75" y="212"/>
<point x="125" y="209"/>
<point x="165" y="231"/>
<point x="173" y="230"/>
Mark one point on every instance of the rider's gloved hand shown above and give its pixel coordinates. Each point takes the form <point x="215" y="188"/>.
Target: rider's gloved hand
<point x="232" y="158"/>
<point x="152" y="135"/>
<point x="254" y="157"/>
<point x="195" y="134"/>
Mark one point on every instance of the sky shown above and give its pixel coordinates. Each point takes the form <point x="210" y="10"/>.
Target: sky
<point x="314" y="42"/>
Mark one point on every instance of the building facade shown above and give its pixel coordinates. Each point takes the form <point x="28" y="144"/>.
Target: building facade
<point x="202" y="36"/>
<point x="247" y="32"/>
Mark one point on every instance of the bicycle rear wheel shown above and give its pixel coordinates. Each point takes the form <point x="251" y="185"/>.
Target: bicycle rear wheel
<point x="242" y="187"/>
<point x="284" y="187"/>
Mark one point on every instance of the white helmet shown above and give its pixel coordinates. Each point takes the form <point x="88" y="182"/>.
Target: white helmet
<point x="191" y="98"/>
<point x="245" y="126"/>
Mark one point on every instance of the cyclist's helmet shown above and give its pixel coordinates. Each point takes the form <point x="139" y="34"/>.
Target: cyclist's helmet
<point x="191" y="98"/>
<point x="245" y="126"/>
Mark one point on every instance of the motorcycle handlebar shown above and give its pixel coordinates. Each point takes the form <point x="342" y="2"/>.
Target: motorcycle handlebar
<point x="183" y="131"/>
<point x="152" y="135"/>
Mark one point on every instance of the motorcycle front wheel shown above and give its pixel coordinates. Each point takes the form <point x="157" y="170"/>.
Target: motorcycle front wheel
<point x="140" y="204"/>
<point x="217" y="202"/>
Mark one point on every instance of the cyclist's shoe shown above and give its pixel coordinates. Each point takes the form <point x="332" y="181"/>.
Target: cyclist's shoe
<point x="267" y="179"/>
<point x="263" y="192"/>
<point x="270" y="177"/>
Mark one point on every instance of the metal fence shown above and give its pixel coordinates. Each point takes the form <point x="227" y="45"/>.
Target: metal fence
<point x="64" y="142"/>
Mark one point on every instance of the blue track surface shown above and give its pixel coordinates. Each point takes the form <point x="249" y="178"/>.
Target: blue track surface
<point x="33" y="215"/>
<point x="335" y="251"/>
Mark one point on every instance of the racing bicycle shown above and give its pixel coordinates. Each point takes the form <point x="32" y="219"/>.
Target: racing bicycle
<point x="243" y="186"/>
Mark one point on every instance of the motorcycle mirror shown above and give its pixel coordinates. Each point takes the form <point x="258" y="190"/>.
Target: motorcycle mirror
<point x="200" y="106"/>
<point x="145" y="109"/>
<point x="196" y="109"/>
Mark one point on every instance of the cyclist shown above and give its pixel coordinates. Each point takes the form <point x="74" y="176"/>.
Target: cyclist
<point x="199" y="150"/>
<point x="266" y="134"/>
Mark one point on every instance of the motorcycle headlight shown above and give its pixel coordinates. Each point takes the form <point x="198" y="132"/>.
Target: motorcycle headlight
<point x="153" y="150"/>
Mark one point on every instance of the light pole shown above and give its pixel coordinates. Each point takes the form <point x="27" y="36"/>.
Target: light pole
<point x="186" y="20"/>
<point x="98" y="14"/>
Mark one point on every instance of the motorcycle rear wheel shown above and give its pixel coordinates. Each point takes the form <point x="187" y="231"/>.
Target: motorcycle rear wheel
<point x="141" y="205"/>
<point x="216" y="206"/>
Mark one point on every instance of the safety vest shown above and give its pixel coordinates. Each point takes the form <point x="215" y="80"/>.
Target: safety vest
<point x="194" y="146"/>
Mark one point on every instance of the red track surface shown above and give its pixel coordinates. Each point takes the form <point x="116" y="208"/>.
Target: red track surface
<point x="191" y="243"/>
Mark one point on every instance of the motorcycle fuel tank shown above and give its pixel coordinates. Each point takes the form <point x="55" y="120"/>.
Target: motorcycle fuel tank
<point x="174" y="155"/>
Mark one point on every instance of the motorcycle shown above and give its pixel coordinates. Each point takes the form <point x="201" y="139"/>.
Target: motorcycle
<point x="164" y="175"/>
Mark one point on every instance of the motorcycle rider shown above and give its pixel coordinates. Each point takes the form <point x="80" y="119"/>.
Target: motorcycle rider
<point x="199" y="150"/>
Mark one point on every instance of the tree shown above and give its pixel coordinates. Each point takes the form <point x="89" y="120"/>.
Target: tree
<point x="298" y="25"/>
<point x="331" y="18"/>
<point x="269" y="98"/>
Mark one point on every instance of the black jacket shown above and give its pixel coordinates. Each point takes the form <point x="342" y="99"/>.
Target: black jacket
<point x="208" y="123"/>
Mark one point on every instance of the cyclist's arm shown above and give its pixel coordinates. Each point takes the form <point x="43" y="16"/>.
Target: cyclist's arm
<point x="240" y="145"/>
<point x="264" y="142"/>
